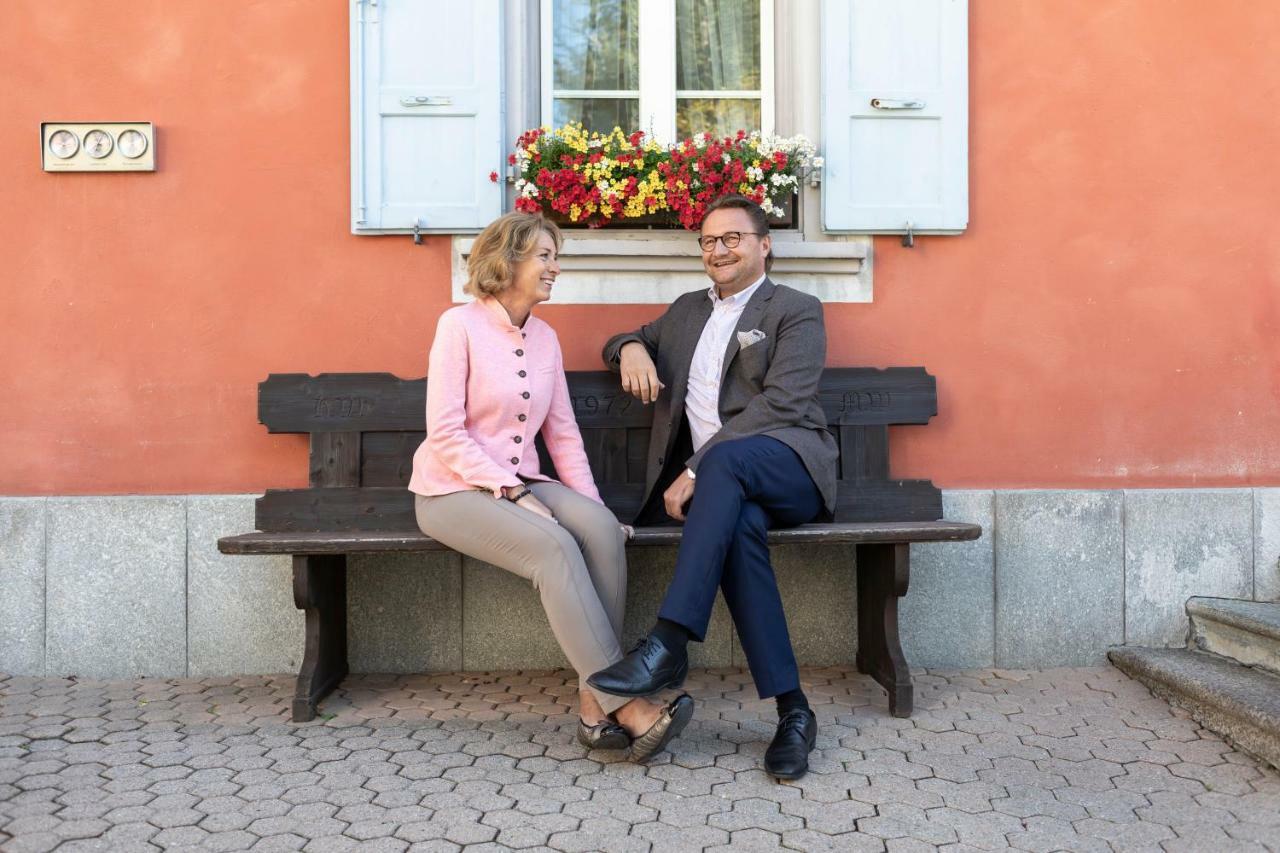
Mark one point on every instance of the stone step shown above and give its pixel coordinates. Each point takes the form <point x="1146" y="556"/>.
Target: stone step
<point x="1238" y="702"/>
<point x="1245" y="631"/>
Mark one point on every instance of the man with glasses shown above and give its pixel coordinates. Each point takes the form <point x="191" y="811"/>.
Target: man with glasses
<point x="739" y="445"/>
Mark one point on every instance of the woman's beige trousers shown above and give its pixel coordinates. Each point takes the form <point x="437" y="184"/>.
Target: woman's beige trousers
<point x="578" y="566"/>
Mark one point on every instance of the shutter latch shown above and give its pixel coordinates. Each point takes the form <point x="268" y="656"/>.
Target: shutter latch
<point x="897" y="104"/>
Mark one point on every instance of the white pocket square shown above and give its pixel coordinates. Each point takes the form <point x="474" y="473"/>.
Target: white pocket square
<point x="746" y="339"/>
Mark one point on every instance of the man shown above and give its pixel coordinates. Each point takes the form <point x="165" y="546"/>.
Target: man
<point x="739" y="445"/>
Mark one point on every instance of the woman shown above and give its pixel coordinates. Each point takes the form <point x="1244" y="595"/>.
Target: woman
<point x="496" y="381"/>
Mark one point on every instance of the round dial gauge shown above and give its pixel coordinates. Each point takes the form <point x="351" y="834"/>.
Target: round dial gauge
<point x="132" y="144"/>
<point x="98" y="144"/>
<point x="64" y="144"/>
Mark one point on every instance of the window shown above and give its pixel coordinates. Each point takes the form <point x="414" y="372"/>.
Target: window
<point x="671" y="69"/>
<point x="439" y="90"/>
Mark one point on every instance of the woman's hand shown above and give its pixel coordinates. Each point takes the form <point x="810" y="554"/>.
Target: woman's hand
<point x="529" y="502"/>
<point x="628" y="532"/>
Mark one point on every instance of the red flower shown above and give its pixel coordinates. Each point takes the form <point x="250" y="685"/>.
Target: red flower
<point x="493" y="176"/>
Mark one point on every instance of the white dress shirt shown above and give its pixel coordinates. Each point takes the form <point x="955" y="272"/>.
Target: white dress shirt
<point x="702" y="398"/>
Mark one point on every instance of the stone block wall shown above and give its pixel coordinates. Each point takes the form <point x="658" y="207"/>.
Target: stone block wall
<point x="117" y="587"/>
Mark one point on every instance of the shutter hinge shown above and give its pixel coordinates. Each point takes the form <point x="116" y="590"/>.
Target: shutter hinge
<point x="909" y="238"/>
<point x="417" y="232"/>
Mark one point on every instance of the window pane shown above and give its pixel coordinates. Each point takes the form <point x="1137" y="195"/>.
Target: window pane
<point x="596" y="44"/>
<point x="599" y="114"/>
<point x="718" y="44"/>
<point x="717" y="116"/>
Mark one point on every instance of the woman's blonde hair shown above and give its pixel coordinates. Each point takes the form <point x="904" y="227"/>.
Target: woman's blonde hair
<point x="507" y="240"/>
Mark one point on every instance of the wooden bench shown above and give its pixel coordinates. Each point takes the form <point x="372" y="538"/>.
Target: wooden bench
<point x="364" y="428"/>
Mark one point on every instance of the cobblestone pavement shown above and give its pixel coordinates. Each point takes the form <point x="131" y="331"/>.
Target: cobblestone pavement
<point x="1078" y="759"/>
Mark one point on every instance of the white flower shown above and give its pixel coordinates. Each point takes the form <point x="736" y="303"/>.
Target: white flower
<point x="697" y="167"/>
<point x="818" y="162"/>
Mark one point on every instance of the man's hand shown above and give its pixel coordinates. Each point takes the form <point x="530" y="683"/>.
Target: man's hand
<point x="639" y="375"/>
<point x="678" y="495"/>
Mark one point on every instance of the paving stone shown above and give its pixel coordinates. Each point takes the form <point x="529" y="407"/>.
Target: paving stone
<point x="116" y="587"/>
<point x="240" y="612"/>
<point x="1181" y="543"/>
<point x="1060" y="581"/>
<point x="990" y="758"/>
<point x="948" y="616"/>
<point x="22" y="577"/>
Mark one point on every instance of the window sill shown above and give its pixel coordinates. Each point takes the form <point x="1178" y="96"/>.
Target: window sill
<point x="654" y="267"/>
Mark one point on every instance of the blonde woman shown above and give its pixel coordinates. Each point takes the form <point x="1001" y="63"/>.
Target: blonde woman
<point x="496" y="380"/>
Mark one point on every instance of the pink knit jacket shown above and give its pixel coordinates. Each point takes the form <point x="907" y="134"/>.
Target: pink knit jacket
<point x="491" y="388"/>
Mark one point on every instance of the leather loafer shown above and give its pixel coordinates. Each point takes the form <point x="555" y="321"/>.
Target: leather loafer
<point x="603" y="735"/>
<point x="645" y="670"/>
<point x="670" y="723"/>
<point x="788" y="755"/>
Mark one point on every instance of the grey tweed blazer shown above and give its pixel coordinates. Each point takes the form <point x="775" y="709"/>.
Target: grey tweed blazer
<point x="769" y="388"/>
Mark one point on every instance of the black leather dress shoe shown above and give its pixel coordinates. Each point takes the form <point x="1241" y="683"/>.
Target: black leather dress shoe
<point x="645" y="670"/>
<point x="788" y="755"/>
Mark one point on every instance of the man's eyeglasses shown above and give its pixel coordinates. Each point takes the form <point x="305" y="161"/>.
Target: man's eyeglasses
<point x="731" y="239"/>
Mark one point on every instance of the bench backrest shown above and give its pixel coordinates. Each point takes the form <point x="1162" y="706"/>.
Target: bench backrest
<point x="364" y="428"/>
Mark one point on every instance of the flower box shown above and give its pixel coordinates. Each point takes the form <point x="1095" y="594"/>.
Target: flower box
<point x="783" y="217"/>
<point x="592" y="180"/>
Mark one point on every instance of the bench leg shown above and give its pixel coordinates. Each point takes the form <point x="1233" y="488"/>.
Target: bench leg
<point x="883" y="575"/>
<point x="320" y="588"/>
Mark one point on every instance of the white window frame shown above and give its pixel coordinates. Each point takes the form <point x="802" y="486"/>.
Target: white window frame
<point x="636" y="265"/>
<point x="658" y="92"/>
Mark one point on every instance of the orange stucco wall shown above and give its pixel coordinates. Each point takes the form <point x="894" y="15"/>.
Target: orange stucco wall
<point x="1110" y="319"/>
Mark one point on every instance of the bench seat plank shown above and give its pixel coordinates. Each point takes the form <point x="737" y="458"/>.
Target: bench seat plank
<point x="357" y="541"/>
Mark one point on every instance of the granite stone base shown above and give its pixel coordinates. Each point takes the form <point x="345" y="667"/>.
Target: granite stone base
<point x="112" y="587"/>
<point x="1059" y="577"/>
<point x="22" y="585"/>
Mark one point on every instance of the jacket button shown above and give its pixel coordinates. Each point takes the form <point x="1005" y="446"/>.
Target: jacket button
<point x="661" y="460"/>
<point x="524" y="394"/>
<point x="519" y="352"/>
<point x="515" y="460"/>
<point x="517" y="439"/>
<point x="522" y="417"/>
<point x="522" y="374"/>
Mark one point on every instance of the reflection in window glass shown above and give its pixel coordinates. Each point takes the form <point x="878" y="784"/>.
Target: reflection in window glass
<point x="717" y="45"/>
<point x="602" y="114"/>
<point x="717" y="116"/>
<point x="596" y="44"/>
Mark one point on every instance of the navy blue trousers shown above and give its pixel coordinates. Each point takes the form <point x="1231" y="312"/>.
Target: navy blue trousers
<point x="745" y="486"/>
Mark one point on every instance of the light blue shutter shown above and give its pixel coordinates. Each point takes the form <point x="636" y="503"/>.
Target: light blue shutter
<point x="895" y="115"/>
<point x="426" y="114"/>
